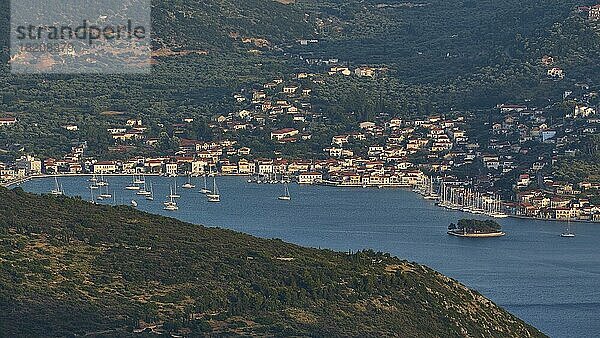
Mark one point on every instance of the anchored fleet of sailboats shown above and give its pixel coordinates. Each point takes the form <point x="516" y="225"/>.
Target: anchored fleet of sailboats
<point x="455" y="196"/>
<point x="450" y="195"/>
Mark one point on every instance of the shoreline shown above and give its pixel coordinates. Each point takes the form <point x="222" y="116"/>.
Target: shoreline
<point x="477" y="235"/>
<point x="553" y="219"/>
<point x="15" y="183"/>
<point x="22" y="180"/>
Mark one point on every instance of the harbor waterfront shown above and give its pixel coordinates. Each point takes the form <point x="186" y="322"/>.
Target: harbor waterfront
<point x="548" y="281"/>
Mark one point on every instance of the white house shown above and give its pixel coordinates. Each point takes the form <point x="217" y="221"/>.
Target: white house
<point x="105" y="167"/>
<point x="584" y="111"/>
<point x="283" y="133"/>
<point x="7" y="121"/>
<point x="264" y="167"/>
<point x="310" y="178"/>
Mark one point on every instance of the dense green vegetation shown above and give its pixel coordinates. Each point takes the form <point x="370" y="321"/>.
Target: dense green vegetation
<point x="70" y="267"/>
<point x="456" y="54"/>
<point x="440" y="56"/>
<point x="476" y="226"/>
<point x="585" y="166"/>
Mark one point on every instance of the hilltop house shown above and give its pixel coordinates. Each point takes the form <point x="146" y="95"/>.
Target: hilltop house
<point x="290" y="89"/>
<point x="340" y="70"/>
<point x="7" y="121"/>
<point x="547" y="60"/>
<point x="364" y="72"/>
<point x="507" y="108"/>
<point x="583" y="111"/>
<point x="594" y="13"/>
<point x="556" y="73"/>
<point x="283" y="133"/>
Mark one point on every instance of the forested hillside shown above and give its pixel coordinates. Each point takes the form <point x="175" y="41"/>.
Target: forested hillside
<point x="221" y="24"/>
<point x="440" y="56"/>
<point x="69" y="267"/>
<point x="437" y="40"/>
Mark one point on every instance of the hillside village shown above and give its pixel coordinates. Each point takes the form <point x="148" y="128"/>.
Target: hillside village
<point x="510" y="150"/>
<point x="519" y="145"/>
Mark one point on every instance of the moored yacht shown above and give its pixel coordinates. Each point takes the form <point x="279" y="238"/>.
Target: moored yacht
<point x="214" y="196"/>
<point x="139" y="179"/>
<point x="171" y="205"/>
<point x="189" y="184"/>
<point x="205" y="190"/>
<point x="143" y="190"/>
<point x="173" y="193"/>
<point x="150" y="196"/>
<point x="104" y="193"/>
<point x="58" y="189"/>
<point x="286" y="196"/>
<point x="133" y="185"/>
<point x="101" y="182"/>
<point x="568" y="233"/>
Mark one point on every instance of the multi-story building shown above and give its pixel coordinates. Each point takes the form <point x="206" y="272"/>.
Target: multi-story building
<point x="310" y="178"/>
<point x="104" y="167"/>
<point x="594" y="13"/>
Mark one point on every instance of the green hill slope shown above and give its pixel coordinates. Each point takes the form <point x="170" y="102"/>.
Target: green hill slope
<point x="214" y="25"/>
<point x="70" y="267"/>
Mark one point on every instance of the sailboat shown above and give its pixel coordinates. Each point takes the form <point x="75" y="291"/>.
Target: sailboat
<point x="102" y="182"/>
<point x="205" y="190"/>
<point x="58" y="190"/>
<point x="139" y="179"/>
<point x="150" y="197"/>
<point x="143" y="191"/>
<point x="134" y="185"/>
<point x="286" y="196"/>
<point x="568" y="232"/>
<point x="94" y="179"/>
<point x="214" y="196"/>
<point x="105" y="195"/>
<point x="189" y="184"/>
<point x="92" y="195"/>
<point x="174" y="194"/>
<point x="171" y="205"/>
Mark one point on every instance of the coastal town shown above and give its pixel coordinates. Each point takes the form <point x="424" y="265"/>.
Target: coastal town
<point x="498" y="161"/>
<point x="439" y="156"/>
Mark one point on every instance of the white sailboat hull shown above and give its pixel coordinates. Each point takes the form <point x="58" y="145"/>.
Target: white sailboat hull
<point x="214" y="198"/>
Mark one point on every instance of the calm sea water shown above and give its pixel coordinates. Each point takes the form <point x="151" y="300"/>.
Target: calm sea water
<point x="548" y="281"/>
